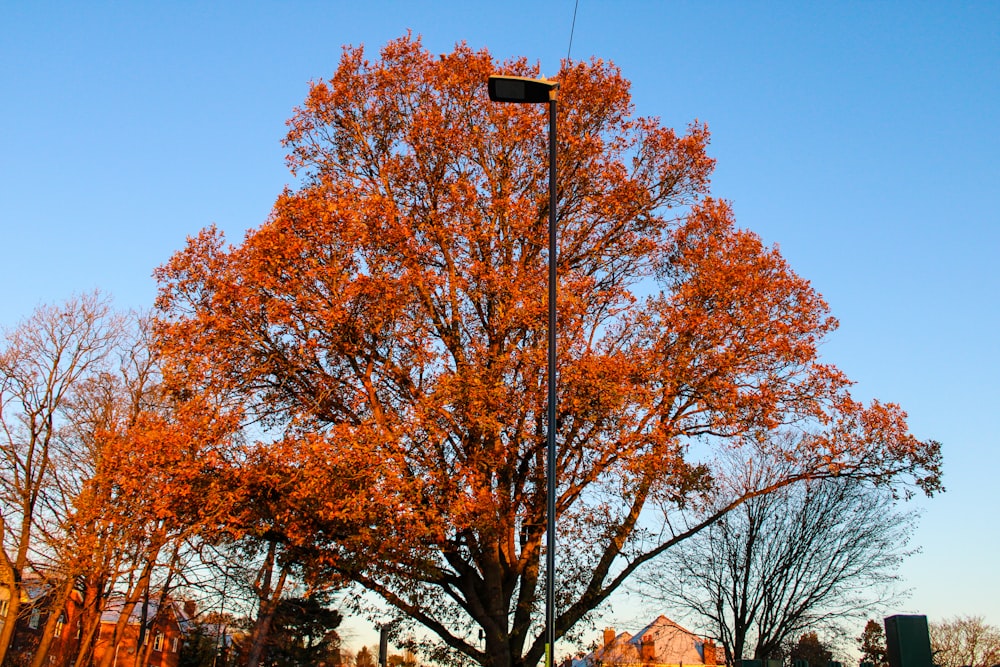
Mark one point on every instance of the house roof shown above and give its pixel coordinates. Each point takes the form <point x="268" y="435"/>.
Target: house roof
<point x="113" y="610"/>
<point x="667" y="641"/>
<point x="33" y="587"/>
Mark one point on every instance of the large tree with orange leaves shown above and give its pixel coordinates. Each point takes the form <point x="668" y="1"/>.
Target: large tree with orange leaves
<point x="388" y="322"/>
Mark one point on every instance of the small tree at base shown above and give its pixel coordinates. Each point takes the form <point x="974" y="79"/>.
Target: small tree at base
<point x="365" y="658"/>
<point x="871" y="644"/>
<point x="811" y="648"/>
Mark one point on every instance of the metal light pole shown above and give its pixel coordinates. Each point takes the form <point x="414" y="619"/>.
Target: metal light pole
<point x="522" y="90"/>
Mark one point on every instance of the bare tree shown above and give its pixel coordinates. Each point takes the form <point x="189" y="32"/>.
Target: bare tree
<point x="104" y="478"/>
<point x="85" y="538"/>
<point x="965" y="640"/>
<point x="805" y="557"/>
<point x="40" y="362"/>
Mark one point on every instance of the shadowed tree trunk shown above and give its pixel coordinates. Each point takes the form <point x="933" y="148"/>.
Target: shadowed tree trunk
<point x="268" y="596"/>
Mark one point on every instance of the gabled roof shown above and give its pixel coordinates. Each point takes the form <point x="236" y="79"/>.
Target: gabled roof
<point x="674" y="644"/>
<point x="114" y="607"/>
<point x="33" y="587"/>
<point x="669" y="643"/>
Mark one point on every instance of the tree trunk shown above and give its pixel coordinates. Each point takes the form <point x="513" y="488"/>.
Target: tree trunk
<point x="269" y="599"/>
<point x="13" y="609"/>
<point x="108" y="658"/>
<point x="90" y="618"/>
<point x="13" y="573"/>
<point x="161" y="598"/>
<point x="86" y="650"/>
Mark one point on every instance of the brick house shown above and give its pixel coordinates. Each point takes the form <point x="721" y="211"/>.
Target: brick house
<point x="32" y="620"/>
<point x="164" y="634"/>
<point x="164" y="630"/>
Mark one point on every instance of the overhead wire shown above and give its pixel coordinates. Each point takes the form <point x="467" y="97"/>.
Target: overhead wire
<point x="572" y="29"/>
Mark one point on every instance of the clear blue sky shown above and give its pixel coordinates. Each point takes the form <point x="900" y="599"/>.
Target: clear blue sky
<point x="861" y="137"/>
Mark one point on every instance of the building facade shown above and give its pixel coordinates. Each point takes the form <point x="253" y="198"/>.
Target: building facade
<point x="662" y="643"/>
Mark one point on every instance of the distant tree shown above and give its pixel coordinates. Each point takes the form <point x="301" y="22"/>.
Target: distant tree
<point x="810" y="556"/>
<point x="365" y="658"/>
<point x="104" y="477"/>
<point x="345" y="658"/>
<point x="871" y="644"/>
<point x="965" y="640"/>
<point x="303" y="632"/>
<point x="397" y="660"/>
<point x="163" y="470"/>
<point x="269" y="584"/>
<point x="200" y="647"/>
<point x="810" y="647"/>
<point x="256" y="571"/>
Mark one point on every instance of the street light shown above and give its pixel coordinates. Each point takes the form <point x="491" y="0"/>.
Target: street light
<point x="522" y="90"/>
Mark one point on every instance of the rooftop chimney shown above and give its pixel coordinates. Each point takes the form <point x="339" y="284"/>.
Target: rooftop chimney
<point x="708" y="653"/>
<point x="648" y="653"/>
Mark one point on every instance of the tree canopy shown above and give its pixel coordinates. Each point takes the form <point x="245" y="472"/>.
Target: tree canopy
<point x="812" y="649"/>
<point x="965" y="640"/>
<point x="871" y="644"/>
<point x="387" y="328"/>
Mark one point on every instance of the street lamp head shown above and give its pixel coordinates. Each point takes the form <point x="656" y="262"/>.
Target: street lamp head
<point x="521" y="90"/>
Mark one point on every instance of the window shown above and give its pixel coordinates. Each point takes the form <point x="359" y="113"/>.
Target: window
<point x="60" y="624"/>
<point x="158" y="642"/>
<point x="35" y="619"/>
<point x="4" y="605"/>
<point x="175" y="644"/>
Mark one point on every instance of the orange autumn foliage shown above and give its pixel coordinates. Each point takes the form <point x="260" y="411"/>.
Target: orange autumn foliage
<point x="170" y="472"/>
<point x="388" y="323"/>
